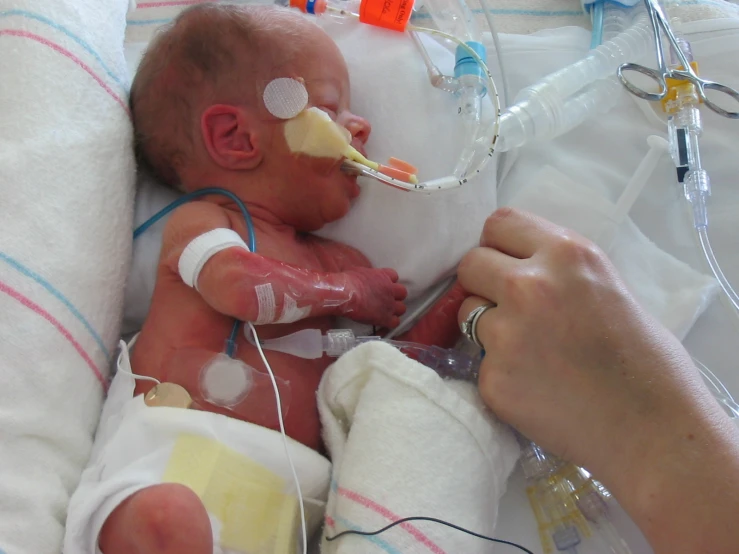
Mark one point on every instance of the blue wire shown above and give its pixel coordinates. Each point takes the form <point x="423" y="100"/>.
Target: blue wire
<point x="192" y="196"/>
<point x="231" y="342"/>
<point x="597" y="37"/>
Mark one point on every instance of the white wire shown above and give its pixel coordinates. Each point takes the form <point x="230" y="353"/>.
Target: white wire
<point x="124" y="351"/>
<point x="284" y="436"/>
<point x="140" y="377"/>
<point x="498" y="52"/>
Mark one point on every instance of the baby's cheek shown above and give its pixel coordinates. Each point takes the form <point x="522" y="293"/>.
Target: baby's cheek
<point x="322" y="167"/>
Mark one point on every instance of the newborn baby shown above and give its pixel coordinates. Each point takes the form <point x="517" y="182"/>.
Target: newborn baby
<point x="201" y="122"/>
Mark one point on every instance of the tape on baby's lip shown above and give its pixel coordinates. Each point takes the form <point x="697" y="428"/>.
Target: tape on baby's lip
<point x="285" y="97"/>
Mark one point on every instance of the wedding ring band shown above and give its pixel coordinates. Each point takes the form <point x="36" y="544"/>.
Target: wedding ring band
<point x="469" y="325"/>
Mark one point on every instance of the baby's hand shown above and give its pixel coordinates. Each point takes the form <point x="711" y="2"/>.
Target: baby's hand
<point x="376" y="296"/>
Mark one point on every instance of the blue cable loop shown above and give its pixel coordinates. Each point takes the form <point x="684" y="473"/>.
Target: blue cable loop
<point x="231" y="342"/>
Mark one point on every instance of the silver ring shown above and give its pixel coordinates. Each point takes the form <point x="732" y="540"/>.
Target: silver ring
<point x="469" y="325"/>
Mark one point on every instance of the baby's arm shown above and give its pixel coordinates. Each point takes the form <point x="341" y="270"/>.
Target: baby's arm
<point x="251" y="287"/>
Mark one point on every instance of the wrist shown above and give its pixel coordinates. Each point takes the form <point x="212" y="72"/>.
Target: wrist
<point x="343" y="293"/>
<point x="666" y="485"/>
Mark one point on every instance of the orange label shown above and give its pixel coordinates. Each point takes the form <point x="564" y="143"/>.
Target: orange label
<point x="390" y="14"/>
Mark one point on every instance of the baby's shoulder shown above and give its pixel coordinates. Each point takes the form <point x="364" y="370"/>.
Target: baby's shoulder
<point x="193" y="219"/>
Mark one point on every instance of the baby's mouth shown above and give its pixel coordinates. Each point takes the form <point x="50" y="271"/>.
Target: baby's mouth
<point x="358" y="145"/>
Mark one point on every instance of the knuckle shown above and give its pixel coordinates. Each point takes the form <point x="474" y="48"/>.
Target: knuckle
<point x="527" y="281"/>
<point x="472" y="263"/>
<point x="498" y="217"/>
<point x="578" y="251"/>
<point x="503" y="213"/>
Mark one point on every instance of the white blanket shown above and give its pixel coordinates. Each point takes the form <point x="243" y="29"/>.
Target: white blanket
<point x="405" y="442"/>
<point x="66" y="183"/>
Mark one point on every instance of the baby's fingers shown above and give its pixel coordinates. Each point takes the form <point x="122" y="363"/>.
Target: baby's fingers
<point x="399" y="292"/>
<point x="391" y="273"/>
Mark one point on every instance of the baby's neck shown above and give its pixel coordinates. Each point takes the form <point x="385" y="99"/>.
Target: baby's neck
<point x="261" y="208"/>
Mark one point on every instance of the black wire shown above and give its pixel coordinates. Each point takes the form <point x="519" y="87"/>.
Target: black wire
<point x="433" y="520"/>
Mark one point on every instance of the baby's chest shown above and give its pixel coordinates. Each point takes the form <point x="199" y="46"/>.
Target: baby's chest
<point x="312" y="253"/>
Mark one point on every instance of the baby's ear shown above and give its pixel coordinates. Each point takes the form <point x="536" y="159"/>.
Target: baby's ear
<point x="230" y="137"/>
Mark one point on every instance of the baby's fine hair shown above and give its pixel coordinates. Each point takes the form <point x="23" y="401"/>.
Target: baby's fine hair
<point x="209" y="53"/>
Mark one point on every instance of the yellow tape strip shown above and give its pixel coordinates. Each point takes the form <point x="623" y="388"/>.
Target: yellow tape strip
<point x="247" y="498"/>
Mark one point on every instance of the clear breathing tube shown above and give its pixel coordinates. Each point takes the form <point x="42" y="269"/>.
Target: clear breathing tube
<point x="564" y="99"/>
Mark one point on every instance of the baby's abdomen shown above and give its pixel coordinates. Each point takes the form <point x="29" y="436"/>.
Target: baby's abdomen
<point x="179" y="346"/>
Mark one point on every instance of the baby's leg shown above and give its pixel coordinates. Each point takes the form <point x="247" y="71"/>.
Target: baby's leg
<point x="161" y="519"/>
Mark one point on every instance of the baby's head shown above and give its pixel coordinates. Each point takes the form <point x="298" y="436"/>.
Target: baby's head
<point x="200" y="117"/>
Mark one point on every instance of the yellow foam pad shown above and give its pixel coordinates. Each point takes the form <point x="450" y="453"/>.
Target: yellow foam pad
<point x="314" y="133"/>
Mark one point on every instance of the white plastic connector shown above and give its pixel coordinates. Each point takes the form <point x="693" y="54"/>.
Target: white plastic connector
<point x="311" y="344"/>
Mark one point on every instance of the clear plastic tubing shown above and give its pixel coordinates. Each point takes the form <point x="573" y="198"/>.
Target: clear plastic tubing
<point x="616" y="18"/>
<point x="453" y="17"/>
<point x="715" y="268"/>
<point x="543" y="111"/>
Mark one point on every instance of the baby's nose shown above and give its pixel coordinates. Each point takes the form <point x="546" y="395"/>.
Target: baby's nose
<point x="358" y="127"/>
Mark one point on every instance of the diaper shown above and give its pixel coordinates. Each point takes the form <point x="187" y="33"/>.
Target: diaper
<point x="238" y="469"/>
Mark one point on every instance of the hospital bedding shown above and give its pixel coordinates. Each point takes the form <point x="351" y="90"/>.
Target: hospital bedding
<point x="64" y="245"/>
<point x="66" y="196"/>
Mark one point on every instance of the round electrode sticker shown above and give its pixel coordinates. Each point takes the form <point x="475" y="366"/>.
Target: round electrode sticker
<point x="285" y="97"/>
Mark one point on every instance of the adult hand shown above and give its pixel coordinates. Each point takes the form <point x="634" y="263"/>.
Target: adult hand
<point x="572" y="361"/>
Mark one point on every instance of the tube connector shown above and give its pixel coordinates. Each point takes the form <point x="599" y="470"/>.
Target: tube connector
<point x="697" y="188"/>
<point x="338" y="341"/>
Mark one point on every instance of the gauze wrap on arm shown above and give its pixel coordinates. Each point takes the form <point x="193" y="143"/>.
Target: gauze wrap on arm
<point x="202" y="248"/>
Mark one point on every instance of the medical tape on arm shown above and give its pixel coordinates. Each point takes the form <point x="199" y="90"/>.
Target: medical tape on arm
<point x="202" y="248"/>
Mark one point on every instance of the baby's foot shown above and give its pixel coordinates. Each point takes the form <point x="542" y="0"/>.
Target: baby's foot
<point x="161" y="519"/>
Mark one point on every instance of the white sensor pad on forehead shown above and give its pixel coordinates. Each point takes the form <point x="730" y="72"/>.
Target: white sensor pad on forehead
<point x="285" y="98"/>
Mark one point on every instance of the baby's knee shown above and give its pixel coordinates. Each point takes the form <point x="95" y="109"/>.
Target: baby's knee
<point x="161" y="519"/>
<point x="167" y="511"/>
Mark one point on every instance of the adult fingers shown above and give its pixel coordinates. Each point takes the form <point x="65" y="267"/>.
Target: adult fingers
<point x="483" y="271"/>
<point x="517" y="233"/>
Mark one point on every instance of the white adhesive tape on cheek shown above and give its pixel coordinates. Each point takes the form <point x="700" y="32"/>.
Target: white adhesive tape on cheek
<point x="203" y="248"/>
<point x="285" y="98"/>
